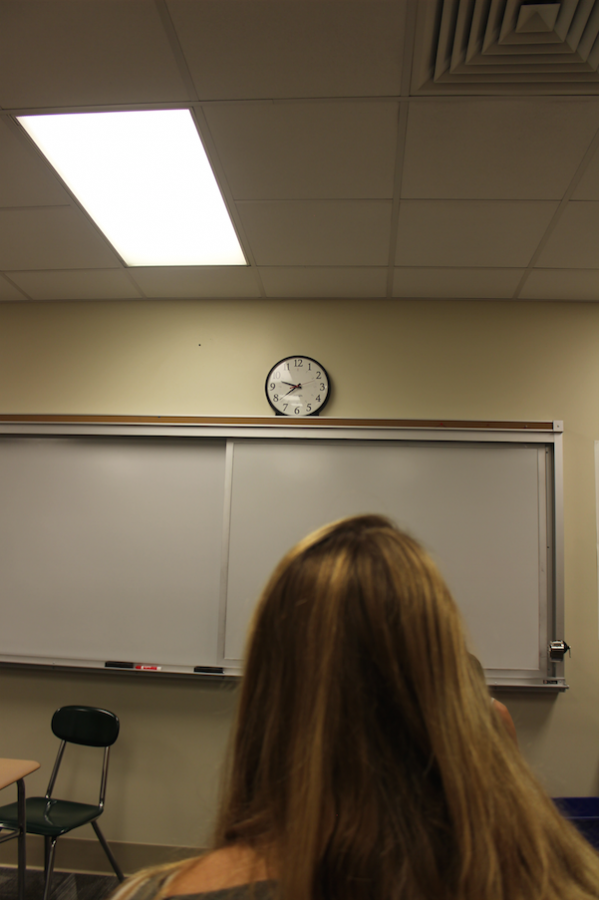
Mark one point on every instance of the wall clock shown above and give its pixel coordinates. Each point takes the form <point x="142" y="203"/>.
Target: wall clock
<point x="297" y="386"/>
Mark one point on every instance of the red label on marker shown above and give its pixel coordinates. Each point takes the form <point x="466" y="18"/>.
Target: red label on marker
<point x="141" y="668"/>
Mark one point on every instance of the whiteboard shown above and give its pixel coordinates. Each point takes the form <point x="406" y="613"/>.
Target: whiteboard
<point x="110" y="550"/>
<point x="151" y="545"/>
<point x="480" y="514"/>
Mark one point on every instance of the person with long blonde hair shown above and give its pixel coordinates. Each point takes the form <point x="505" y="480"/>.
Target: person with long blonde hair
<point x="367" y="762"/>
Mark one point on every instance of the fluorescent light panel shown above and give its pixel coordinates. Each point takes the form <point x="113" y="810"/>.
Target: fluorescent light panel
<point x="145" y="180"/>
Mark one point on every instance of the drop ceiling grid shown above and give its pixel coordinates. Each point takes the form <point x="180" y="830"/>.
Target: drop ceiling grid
<point x="357" y="253"/>
<point x="525" y="148"/>
<point x="308" y="156"/>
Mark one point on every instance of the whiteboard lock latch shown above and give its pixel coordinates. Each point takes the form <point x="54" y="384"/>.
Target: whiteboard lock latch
<point x="557" y="650"/>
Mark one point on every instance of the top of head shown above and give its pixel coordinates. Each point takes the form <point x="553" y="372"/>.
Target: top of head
<point x="357" y="606"/>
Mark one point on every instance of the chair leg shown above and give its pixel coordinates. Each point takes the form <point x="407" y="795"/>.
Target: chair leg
<point x="108" y="852"/>
<point x="47" y="851"/>
<point x="50" y="847"/>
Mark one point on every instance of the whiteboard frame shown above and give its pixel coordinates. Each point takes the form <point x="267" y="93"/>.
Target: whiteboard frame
<point x="547" y="434"/>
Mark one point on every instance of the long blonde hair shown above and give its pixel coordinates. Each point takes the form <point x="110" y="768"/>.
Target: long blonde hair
<point x="367" y="762"/>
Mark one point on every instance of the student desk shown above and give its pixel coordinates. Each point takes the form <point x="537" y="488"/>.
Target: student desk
<point x="11" y="771"/>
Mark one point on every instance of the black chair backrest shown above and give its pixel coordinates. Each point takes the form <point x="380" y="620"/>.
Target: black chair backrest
<point x="85" y="725"/>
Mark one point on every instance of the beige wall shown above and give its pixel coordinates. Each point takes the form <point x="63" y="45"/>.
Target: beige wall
<point x="387" y="358"/>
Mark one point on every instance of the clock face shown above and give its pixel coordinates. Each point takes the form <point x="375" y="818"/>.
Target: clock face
<point x="297" y="386"/>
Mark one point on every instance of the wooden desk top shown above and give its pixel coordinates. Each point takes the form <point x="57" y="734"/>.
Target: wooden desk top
<point x="12" y="770"/>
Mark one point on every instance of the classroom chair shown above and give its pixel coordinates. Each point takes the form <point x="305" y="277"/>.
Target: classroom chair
<point x="52" y="818"/>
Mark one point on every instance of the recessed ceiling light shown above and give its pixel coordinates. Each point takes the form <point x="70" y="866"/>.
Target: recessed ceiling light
<point x="145" y="180"/>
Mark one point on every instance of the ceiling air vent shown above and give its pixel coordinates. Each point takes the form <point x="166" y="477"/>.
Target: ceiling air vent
<point x="506" y="47"/>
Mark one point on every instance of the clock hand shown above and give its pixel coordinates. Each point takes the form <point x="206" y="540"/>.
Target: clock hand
<point x="294" y="388"/>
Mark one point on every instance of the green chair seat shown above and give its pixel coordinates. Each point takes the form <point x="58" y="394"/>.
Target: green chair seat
<point x="53" y="818"/>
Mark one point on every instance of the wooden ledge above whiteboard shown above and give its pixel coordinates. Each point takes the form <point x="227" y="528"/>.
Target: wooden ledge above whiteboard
<point x="283" y="421"/>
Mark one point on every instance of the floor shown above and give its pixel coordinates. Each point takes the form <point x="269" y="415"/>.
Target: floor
<point x="65" y="885"/>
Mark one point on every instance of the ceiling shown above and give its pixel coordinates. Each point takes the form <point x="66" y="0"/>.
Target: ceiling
<point x="425" y="149"/>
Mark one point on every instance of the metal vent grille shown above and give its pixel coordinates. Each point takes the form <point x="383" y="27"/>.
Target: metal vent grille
<point x="503" y="46"/>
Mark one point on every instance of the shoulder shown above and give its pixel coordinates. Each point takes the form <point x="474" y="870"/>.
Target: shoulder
<point x="234" y="873"/>
<point x="258" y="890"/>
<point x="146" y="885"/>
<point x="222" y="870"/>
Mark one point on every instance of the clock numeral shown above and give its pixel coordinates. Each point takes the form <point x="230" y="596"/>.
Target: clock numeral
<point x="309" y="367"/>
<point x="317" y="400"/>
<point x="298" y="363"/>
<point x="271" y="386"/>
<point x="322" y="387"/>
<point x="318" y="375"/>
<point x="286" y="366"/>
<point x="296" y="410"/>
<point x="275" y="398"/>
<point x="285" y="405"/>
<point x="309" y="407"/>
<point x="277" y="376"/>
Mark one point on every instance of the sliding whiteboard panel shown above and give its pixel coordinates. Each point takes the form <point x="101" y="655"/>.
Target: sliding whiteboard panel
<point x="110" y="550"/>
<point x="479" y="509"/>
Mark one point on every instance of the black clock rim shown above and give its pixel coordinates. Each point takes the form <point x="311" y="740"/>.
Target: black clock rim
<point x="287" y="415"/>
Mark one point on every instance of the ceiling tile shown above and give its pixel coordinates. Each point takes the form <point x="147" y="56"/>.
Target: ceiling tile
<point x="588" y="186"/>
<point x="498" y="149"/>
<point x="574" y="242"/>
<point x="500" y="233"/>
<point x="265" y="48"/>
<point x="97" y="52"/>
<point x="79" y="284"/>
<point x="306" y="150"/>
<point x="324" y="282"/>
<point x="196" y="281"/>
<point x="318" y="233"/>
<point x="475" y="284"/>
<point x="561" y="284"/>
<point x="27" y="180"/>
<point x="8" y="291"/>
<point x="51" y="237"/>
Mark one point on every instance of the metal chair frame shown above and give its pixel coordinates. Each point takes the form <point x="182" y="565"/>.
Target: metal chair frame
<point x="50" y="841"/>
